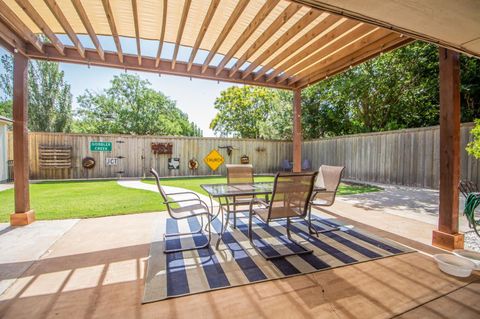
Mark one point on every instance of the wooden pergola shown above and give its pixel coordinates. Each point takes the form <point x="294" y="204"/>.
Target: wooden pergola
<point x="273" y="43"/>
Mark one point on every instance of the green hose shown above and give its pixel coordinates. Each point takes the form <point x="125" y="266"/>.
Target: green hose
<point x="471" y="203"/>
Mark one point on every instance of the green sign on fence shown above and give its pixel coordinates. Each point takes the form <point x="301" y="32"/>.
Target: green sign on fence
<point x="100" y="146"/>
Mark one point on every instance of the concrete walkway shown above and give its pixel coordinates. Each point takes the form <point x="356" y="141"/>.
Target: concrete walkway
<point x="4" y="187"/>
<point x="137" y="184"/>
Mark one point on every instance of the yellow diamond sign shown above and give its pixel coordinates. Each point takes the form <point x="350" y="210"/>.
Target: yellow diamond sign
<point x="214" y="159"/>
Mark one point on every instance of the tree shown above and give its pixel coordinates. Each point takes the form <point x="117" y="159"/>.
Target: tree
<point x="241" y="110"/>
<point x="131" y="106"/>
<point x="49" y="96"/>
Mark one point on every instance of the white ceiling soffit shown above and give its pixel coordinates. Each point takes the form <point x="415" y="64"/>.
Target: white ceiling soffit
<point x="449" y="23"/>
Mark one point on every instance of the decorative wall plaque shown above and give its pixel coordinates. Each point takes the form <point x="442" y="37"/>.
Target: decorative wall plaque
<point x="55" y="156"/>
<point x="193" y="163"/>
<point x="174" y="163"/>
<point x="214" y="159"/>
<point x="162" y="148"/>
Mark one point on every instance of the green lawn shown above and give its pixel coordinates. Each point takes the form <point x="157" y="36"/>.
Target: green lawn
<point x="60" y="200"/>
<point x="84" y="199"/>
<point x="193" y="183"/>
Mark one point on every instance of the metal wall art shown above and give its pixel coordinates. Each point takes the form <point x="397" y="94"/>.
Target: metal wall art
<point x="162" y="148"/>
<point x="173" y="163"/>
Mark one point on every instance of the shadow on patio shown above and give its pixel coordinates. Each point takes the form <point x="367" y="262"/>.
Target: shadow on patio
<point x="97" y="269"/>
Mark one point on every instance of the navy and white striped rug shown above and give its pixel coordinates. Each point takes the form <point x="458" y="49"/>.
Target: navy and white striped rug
<point x="237" y="263"/>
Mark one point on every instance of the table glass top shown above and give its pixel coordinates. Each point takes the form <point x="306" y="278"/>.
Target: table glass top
<point x="217" y="190"/>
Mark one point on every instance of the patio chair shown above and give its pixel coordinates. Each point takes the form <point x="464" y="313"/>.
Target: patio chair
<point x="238" y="174"/>
<point x="324" y="192"/>
<point x="306" y="165"/>
<point x="286" y="165"/>
<point x="290" y="198"/>
<point x="195" y="207"/>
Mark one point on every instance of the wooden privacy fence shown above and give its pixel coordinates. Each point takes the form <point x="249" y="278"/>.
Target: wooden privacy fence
<point x="405" y="157"/>
<point x="133" y="156"/>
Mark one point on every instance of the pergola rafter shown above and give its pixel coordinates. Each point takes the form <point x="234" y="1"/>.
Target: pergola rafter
<point x="162" y="32"/>
<point x="88" y="26"/>
<point x="267" y="34"/>
<point x="301" y="24"/>
<point x="33" y="14"/>
<point x="286" y="40"/>
<point x="242" y="4"/>
<point x="17" y="25"/>
<point x="113" y="28"/>
<point x="57" y="12"/>
<point x="181" y="27"/>
<point x="259" y="18"/>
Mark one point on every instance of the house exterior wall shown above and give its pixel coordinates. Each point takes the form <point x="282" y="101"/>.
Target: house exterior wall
<point x="3" y="153"/>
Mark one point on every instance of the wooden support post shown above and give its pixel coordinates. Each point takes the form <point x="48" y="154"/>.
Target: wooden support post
<point x="447" y="235"/>
<point x="23" y="215"/>
<point x="297" y="130"/>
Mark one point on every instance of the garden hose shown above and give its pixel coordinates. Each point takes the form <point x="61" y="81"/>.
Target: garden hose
<point x="472" y="202"/>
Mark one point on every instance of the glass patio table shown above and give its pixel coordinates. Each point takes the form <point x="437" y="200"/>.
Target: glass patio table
<point x="222" y="192"/>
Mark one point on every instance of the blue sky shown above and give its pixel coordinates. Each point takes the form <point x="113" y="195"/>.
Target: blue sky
<point x="195" y="97"/>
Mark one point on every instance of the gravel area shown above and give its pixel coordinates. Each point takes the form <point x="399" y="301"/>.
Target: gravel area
<point x="472" y="241"/>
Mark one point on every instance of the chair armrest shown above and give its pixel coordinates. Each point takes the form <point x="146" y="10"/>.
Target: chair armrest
<point x="183" y="193"/>
<point x="259" y="201"/>
<point x="201" y="202"/>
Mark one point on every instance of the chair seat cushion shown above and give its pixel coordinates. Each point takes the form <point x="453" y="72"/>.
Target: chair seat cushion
<point x="188" y="211"/>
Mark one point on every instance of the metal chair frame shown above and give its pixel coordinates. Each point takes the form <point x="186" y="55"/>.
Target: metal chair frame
<point x="269" y="205"/>
<point x="311" y="228"/>
<point x="171" y="213"/>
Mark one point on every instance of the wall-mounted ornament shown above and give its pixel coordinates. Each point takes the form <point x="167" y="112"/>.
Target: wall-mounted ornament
<point x="244" y="159"/>
<point x="55" y="156"/>
<point x="111" y="161"/>
<point x="174" y="163"/>
<point x="193" y="164"/>
<point x="88" y="162"/>
<point x="229" y="148"/>
<point x="162" y="148"/>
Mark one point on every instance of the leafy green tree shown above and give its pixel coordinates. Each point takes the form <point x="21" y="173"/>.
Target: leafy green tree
<point x="49" y="96"/>
<point x="131" y="106"/>
<point x="241" y="110"/>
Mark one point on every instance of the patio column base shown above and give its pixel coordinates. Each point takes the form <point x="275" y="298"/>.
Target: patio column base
<point x="446" y="240"/>
<point x="22" y="219"/>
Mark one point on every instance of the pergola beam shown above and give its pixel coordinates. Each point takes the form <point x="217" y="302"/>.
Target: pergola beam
<point x="261" y="15"/>
<point x="301" y="24"/>
<point x="57" y="12"/>
<point x="113" y="28"/>
<point x="203" y="30"/>
<point x="19" y="27"/>
<point x="294" y="50"/>
<point x="10" y="40"/>
<point x="162" y="32"/>
<point x="38" y="20"/>
<point x="77" y="4"/>
<point x="181" y="28"/>
<point x="148" y="65"/>
<point x="271" y="30"/>
<point x="237" y="12"/>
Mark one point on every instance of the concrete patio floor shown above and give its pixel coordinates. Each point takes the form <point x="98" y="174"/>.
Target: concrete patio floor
<point x="97" y="267"/>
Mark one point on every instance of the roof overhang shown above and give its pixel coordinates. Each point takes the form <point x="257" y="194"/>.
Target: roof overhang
<point x="447" y="23"/>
